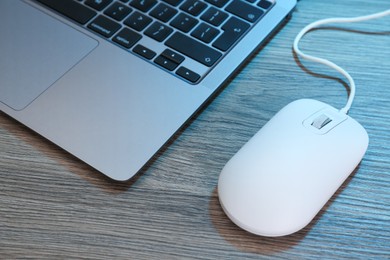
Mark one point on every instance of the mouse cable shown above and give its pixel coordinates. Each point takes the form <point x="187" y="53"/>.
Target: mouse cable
<point x="327" y="62"/>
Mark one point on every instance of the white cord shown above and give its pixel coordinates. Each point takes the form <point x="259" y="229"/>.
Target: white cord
<point x="327" y="62"/>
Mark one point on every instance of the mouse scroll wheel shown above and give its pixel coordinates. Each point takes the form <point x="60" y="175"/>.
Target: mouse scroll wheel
<point x="321" y="121"/>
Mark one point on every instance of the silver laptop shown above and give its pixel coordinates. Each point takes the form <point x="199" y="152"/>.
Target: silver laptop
<point x="111" y="81"/>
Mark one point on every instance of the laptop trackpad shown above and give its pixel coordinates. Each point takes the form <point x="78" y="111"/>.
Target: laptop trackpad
<point x="35" y="50"/>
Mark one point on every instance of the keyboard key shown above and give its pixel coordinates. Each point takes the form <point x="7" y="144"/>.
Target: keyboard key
<point x="165" y="63"/>
<point x="204" y="32"/>
<point x="214" y="16"/>
<point x="143" y="5"/>
<point x="193" y="49"/>
<point x="158" y="31"/>
<point x="218" y="3"/>
<point x="173" y="2"/>
<point x="127" y="38"/>
<point x="117" y="11"/>
<point x="193" y="7"/>
<point x="144" y="52"/>
<point x="245" y="11"/>
<point x="173" y="56"/>
<point x="163" y="12"/>
<point x="98" y="4"/>
<point x="138" y="21"/>
<point x="71" y="9"/>
<point x="233" y="30"/>
<point x="265" y="4"/>
<point x="104" y="26"/>
<point x="184" y="22"/>
<point x="188" y="74"/>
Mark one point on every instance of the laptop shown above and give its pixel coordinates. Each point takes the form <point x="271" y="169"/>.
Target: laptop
<point x="111" y="81"/>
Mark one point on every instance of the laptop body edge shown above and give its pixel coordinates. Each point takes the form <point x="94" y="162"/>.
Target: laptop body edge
<point x="107" y="111"/>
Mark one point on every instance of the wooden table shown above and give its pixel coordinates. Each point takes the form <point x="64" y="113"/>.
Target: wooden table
<point x="54" y="206"/>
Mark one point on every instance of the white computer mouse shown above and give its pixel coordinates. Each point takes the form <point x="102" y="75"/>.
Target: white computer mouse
<point x="282" y="177"/>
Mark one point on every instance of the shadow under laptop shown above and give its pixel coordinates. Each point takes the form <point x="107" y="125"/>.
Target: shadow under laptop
<point x="250" y="243"/>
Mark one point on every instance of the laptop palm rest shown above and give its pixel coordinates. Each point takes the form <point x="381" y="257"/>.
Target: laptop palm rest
<point x="48" y="47"/>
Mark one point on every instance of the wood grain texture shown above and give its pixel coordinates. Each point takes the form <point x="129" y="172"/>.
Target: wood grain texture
<point x="54" y="206"/>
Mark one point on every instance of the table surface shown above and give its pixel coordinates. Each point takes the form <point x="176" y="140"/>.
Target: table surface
<point x="54" y="206"/>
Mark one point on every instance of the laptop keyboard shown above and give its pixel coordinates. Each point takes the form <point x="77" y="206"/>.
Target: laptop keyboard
<point x="184" y="37"/>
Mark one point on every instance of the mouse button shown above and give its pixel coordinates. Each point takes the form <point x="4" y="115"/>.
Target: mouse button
<point x="324" y="120"/>
<point x="321" y="121"/>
